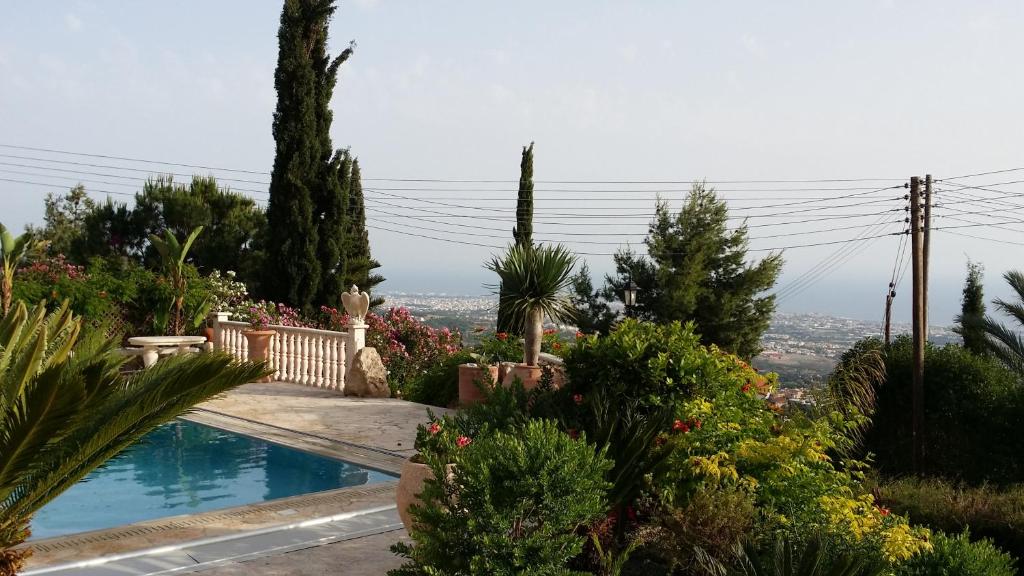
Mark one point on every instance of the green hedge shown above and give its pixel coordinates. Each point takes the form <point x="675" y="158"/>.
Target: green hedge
<point x="988" y="511"/>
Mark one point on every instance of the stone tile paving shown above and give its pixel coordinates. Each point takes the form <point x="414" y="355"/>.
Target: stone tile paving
<point x="366" y="556"/>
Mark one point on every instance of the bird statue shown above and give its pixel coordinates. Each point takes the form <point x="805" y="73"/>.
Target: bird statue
<point x="356" y="303"/>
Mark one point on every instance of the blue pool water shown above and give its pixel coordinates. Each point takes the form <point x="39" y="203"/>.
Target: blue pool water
<point x="184" y="468"/>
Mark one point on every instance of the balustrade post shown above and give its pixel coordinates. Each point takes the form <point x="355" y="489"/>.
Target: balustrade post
<point x="355" y="342"/>
<point x="215" y="318"/>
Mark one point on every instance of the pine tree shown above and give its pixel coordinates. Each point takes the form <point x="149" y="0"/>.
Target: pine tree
<point x="697" y="271"/>
<point x="359" y="264"/>
<point x="970" y="323"/>
<point x="303" y="182"/>
<point x="522" y="232"/>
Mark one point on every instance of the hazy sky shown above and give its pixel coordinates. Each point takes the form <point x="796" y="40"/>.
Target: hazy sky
<point x="638" y="91"/>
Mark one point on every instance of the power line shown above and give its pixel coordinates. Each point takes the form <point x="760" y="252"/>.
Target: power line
<point x="449" y="180"/>
<point x="122" y="168"/>
<point x="64" y="187"/>
<point x="983" y="238"/>
<point x="125" y="159"/>
<point x="830" y="262"/>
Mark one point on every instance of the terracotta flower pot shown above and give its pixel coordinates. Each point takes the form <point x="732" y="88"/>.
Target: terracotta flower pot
<point x="410" y="486"/>
<point x="208" y="332"/>
<point x="503" y="369"/>
<point x="529" y="375"/>
<point x="259" y="346"/>
<point x="469" y="375"/>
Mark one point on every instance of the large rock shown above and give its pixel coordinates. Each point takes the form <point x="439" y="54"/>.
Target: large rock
<point x="368" y="377"/>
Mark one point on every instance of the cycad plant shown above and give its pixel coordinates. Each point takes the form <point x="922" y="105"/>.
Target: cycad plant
<point x="14" y="250"/>
<point x="534" y="284"/>
<point x="68" y="408"/>
<point x="1005" y="343"/>
<point x="172" y="256"/>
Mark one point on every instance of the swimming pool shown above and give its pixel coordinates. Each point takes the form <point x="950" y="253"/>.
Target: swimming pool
<point x="186" y="468"/>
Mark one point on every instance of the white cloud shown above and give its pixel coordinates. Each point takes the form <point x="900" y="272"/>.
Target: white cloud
<point x="74" y="23"/>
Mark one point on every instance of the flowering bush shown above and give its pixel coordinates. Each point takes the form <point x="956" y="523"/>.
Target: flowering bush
<point x="261" y="315"/>
<point x="501" y="347"/>
<point x="226" y="293"/>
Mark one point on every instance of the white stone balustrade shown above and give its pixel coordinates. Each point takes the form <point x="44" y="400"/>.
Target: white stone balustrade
<point x="304" y="356"/>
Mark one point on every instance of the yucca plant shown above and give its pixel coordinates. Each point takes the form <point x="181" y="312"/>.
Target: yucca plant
<point x="68" y="408"/>
<point x="1004" y="342"/>
<point x="534" y="283"/>
<point x="785" y="560"/>
<point x="14" y="250"/>
<point x="173" y="255"/>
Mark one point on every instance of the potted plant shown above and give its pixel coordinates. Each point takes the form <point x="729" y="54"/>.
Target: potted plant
<point x="474" y="375"/>
<point x="258" y="335"/>
<point x="438" y="438"/>
<point x="533" y="287"/>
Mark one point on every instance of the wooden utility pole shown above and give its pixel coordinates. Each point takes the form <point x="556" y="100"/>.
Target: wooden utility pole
<point x="927" y="245"/>
<point x="888" y="314"/>
<point x="917" y="263"/>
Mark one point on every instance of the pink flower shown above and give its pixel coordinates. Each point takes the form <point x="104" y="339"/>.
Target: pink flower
<point x="680" y="426"/>
<point x="463" y="441"/>
<point x="579" y="335"/>
<point x="578" y="399"/>
<point x="434" y="428"/>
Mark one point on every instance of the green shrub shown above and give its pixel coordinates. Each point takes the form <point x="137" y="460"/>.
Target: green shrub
<point x="651" y="363"/>
<point x="973" y="409"/>
<point x="439" y="385"/>
<point x="710" y="525"/>
<point x="990" y="512"/>
<point x="958" y="556"/>
<point x="515" y="504"/>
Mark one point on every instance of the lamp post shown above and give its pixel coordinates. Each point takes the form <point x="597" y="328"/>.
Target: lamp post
<point x="629" y="296"/>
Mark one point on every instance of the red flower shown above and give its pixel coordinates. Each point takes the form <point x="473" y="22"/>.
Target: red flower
<point x="884" y="511"/>
<point x="696" y="423"/>
<point x="501" y="336"/>
<point x="746" y="388"/>
<point x="578" y="399"/>
<point x="434" y="428"/>
<point x="579" y="334"/>
<point x="549" y="331"/>
<point x="573" y="433"/>
<point x="556" y="346"/>
<point x="463" y="441"/>
<point x="680" y="426"/>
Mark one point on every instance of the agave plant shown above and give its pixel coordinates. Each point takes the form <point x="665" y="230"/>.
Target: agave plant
<point x="173" y="255"/>
<point x="1005" y="343"/>
<point x="534" y="282"/>
<point x="14" y="250"/>
<point x="67" y="408"/>
<point x="784" y="560"/>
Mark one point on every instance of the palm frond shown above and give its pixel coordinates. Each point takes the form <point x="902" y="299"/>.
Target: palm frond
<point x="535" y="278"/>
<point x="66" y="413"/>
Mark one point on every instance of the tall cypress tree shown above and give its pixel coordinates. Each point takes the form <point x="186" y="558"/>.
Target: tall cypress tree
<point x="970" y="323"/>
<point x="359" y="264"/>
<point x="522" y="232"/>
<point x="303" y="184"/>
<point x="332" y="248"/>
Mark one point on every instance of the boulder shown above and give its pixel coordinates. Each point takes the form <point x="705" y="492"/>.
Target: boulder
<point x="368" y="377"/>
